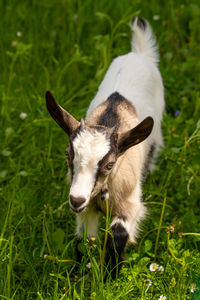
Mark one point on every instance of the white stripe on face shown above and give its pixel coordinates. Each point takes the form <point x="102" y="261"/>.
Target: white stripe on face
<point x="89" y="148"/>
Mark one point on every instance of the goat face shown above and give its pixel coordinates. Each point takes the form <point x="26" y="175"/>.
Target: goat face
<point x="91" y="155"/>
<point x="92" y="152"/>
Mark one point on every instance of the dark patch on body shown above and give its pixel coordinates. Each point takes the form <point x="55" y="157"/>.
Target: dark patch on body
<point x="110" y="118"/>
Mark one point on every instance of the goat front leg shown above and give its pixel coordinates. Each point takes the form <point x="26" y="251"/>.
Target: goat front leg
<point x="116" y="244"/>
<point x="123" y="231"/>
<point x="86" y="221"/>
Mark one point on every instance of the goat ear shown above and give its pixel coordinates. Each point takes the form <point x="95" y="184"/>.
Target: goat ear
<point x="66" y="121"/>
<point x="135" y="135"/>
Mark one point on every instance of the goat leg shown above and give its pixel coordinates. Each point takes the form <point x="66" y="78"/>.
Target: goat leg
<point x="116" y="244"/>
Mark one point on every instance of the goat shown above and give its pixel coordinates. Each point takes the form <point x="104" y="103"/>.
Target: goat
<point x="117" y="142"/>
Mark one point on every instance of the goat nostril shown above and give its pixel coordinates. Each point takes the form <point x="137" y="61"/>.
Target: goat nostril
<point x="76" y="201"/>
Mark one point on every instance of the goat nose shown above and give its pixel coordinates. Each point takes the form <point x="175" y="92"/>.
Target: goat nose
<point x="76" y="201"/>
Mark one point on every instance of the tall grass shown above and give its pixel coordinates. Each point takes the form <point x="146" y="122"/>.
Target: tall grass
<point x="66" y="47"/>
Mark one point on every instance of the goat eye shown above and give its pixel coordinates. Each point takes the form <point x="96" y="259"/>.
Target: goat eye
<point x="109" y="165"/>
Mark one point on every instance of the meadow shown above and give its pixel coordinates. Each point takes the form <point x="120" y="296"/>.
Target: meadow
<point x="66" y="46"/>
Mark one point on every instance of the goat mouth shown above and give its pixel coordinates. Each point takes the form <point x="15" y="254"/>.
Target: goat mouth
<point x="78" y="210"/>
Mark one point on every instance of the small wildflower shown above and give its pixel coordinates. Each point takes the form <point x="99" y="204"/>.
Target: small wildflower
<point x="162" y="297"/>
<point x="180" y="234"/>
<point x="89" y="265"/>
<point x="148" y="282"/>
<point x="45" y="256"/>
<point x="156" y="17"/>
<point x="23" y="115"/>
<point x="170" y="229"/>
<point x="75" y="17"/>
<point x="9" y="131"/>
<point x="93" y="239"/>
<point x="3" y="173"/>
<point x="153" y="267"/>
<point x="5" y="152"/>
<point x="177" y="113"/>
<point x="18" y="34"/>
<point x="14" y="43"/>
<point x="192" y="288"/>
<point x="23" y="173"/>
<point x="161" y="269"/>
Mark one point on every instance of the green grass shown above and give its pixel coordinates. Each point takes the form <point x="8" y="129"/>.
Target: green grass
<point x="66" y="47"/>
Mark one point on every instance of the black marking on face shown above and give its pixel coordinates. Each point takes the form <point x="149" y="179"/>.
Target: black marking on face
<point x="110" y="157"/>
<point x="70" y="156"/>
<point x="70" y="149"/>
<point x="115" y="247"/>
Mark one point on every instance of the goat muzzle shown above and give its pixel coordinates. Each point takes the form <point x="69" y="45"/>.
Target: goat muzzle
<point x="76" y="202"/>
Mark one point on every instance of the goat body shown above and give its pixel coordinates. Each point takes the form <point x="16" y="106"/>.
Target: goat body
<point x="109" y="151"/>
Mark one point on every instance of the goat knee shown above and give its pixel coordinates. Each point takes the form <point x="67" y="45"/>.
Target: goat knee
<point x="115" y="247"/>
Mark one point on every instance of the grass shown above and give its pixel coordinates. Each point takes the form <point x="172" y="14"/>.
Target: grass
<point x="66" y="47"/>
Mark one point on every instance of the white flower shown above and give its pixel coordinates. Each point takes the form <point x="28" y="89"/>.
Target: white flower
<point x="23" y="115"/>
<point x="162" y="297"/>
<point x="161" y="269"/>
<point x="5" y="152"/>
<point x="148" y="282"/>
<point x="89" y="265"/>
<point x="153" y="267"/>
<point x="156" y="17"/>
<point x="18" y="34"/>
<point x="192" y="288"/>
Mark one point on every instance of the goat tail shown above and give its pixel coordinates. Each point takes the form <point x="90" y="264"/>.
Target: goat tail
<point x="143" y="40"/>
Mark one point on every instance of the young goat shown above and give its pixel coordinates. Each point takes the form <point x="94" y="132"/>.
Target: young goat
<point x="109" y="150"/>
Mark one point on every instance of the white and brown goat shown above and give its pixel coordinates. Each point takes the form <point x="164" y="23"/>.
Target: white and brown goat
<point x="118" y="140"/>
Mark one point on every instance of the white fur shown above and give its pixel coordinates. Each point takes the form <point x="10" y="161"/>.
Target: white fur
<point x="89" y="148"/>
<point x="87" y="220"/>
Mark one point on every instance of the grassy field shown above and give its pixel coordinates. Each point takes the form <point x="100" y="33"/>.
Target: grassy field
<point x="66" y="47"/>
